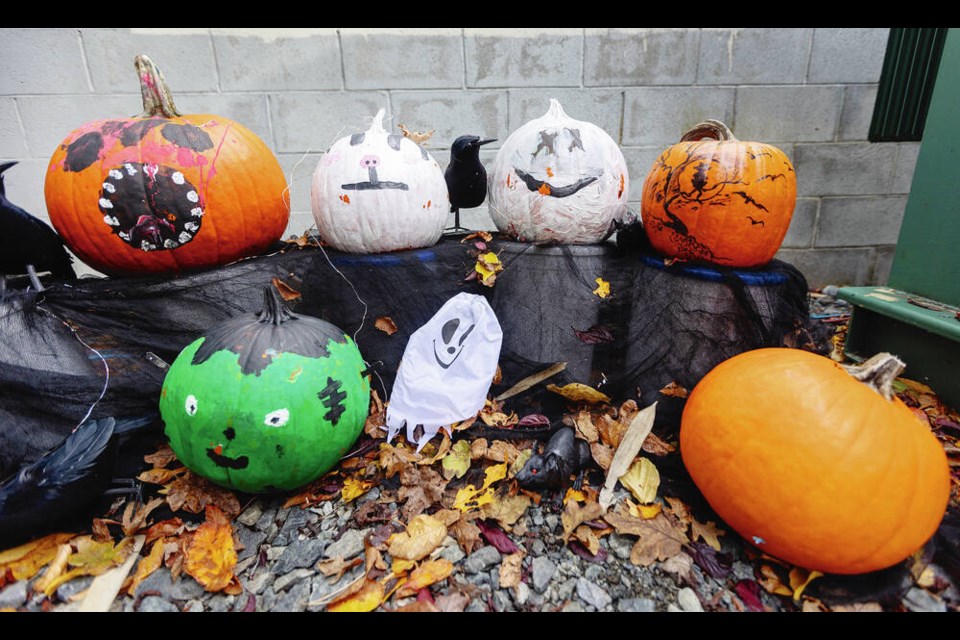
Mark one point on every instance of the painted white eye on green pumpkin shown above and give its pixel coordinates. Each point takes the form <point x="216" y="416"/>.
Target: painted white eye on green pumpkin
<point x="191" y="405"/>
<point x="277" y="418"/>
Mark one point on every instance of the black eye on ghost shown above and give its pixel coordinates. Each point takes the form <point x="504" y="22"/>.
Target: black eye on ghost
<point x="453" y="341"/>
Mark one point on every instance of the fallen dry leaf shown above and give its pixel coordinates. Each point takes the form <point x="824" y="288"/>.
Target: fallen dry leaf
<point x="91" y="558"/>
<point x="164" y="529"/>
<point x="708" y="532"/>
<point x="54" y="570"/>
<point x="419" y="137"/>
<point x="585" y="428"/>
<point x="211" y="556"/>
<point x="603" y="288"/>
<point x="467" y="535"/>
<point x="147" y="565"/>
<point x="574" y="515"/>
<point x="469" y="497"/>
<point x="457" y="461"/>
<point x="386" y="324"/>
<point x="423" y="534"/>
<point x="367" y="598"/>
<point x="425" y="575"/>
<point x="135" y="516"/>
<point x="193" y="494"/>
<point x="770" y="580"/>
<point x="644" y="511"/>
<point x="505" y="509"/>
<point x="286" y="292"/>
<point x="487" y="267"/>
<point x="657" y="538"/>
<point x="642" y="480"/>
<point x="578" y="392"/>
<point x="511" y="570"/>
<point x="353" y="488"/>
<point x="336" y="567"/>
<point x="674" y="390"/>
<point x="800" y="579"/>
<point x="639" y="428"/>
<point x="531" y="380"/>
<point x="24" y="561"/>
<point x="588" y="537"/>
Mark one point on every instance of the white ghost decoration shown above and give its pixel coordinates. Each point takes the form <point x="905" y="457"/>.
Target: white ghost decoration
<point x="557" y="179"/>
<point x="446" y="369"/>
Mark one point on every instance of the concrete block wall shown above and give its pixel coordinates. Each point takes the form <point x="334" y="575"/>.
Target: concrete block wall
<point x="810" y="91"/>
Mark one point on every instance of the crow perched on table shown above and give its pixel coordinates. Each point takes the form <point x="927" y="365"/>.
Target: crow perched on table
<point x="466" y="178"/>
<point x="66" y="480"/>
<point x="29" y="245"/>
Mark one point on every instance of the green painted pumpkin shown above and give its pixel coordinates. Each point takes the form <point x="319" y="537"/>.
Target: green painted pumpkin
<point x="266" y="402"/>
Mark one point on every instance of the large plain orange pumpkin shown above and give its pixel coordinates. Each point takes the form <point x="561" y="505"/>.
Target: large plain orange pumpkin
<point x="164" y="192"/>
<point x="812" y="465"/>
<point x="714" y="199"/>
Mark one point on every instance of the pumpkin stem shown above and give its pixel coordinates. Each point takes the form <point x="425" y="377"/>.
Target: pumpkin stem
<point x="878" y="373"/>
<point x="157" y="99"/>
<point x="709" y="129"/>
<point x="274" y="310"/>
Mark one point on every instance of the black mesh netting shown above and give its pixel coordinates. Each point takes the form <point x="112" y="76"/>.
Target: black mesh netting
<point x="90" y="349"/>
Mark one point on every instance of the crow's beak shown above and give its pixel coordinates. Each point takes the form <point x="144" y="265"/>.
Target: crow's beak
<point x="487" y="141"/>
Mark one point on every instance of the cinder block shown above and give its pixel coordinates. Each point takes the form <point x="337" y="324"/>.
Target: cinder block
<point x="848" y="168"/>
<point x="851" y="222"/>
<point x="841" y="267"/>
<point x="13" y="144"/>
<point x="857" y="112"/>
<point x="24" y="186"/>
<point x="262" y="60"/>
<point x="186" y="59"/>
<point x="48" y="120"/>
<point x="802" y="224"/>
<point x="847" y="54"/>
<point x="883" y="263"/>
<point x="640" y="57"/>
<point x="661" y="115"/>
<point x="402" y="58"/>
<point x="41" y="61"/>
<point x="905" y="167"/>
<point x="452" y="114"/>
<point x="313" y="121"/>
<point x="523" y="57"/>
<point x="788" y="114"/>
<point x="299" y="169"/>
<point x="639" y="162"/>
<point x="753" y="56"/>
<point x="602" y="107"/>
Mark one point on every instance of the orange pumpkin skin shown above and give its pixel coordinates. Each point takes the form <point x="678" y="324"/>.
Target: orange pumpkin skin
<point x="812" y="466"/>
<point x="206" y="190"/>
<point x="724" y="201"/>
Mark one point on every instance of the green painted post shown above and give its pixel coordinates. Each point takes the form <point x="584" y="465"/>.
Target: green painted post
<point x="927" y="257"/>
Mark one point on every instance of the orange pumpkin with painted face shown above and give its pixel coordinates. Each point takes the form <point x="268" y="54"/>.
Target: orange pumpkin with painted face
<point x="164" y="192"/>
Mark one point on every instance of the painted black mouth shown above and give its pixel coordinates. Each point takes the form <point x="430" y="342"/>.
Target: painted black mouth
<point x="374" y="183"/>
<point x="230" y="463"/>
<point x="548" y="189"/>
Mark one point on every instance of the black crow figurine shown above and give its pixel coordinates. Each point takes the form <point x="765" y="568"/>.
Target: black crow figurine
<point x="29" y="245"/>
<point x="64" y="481"/>
<point x="466" y="178"/>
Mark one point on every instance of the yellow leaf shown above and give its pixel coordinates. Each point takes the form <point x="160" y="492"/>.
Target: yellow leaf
<point x="425" y="575"/>
<point x="92" y="558"/>
<point x="708" y="532"/>
<point x="603" y="288"/>
<point x="800" y="578"/>
<point x="643" y="480"/>
<point x="488" y="266"/>
<point x="367" y="598"/>
<point x="147" y="565"/>
<point x="54" y="571"/>
<point x="354" y="488"/>
<point x="457" y="461"/>
<point x="644" y="511"/>
<point x="211" y="556"/>
<point x="26" y="560"/>
<point x="506" y="509"/>
<point x="469" y="497"/>
<point x="770" y="581"/>
<point x="423" y="534"/>
<point x="401" y="566"/>
<point x="578" y="392"/>
<point x="517" y="464"/>
<point x="573" y="494"/>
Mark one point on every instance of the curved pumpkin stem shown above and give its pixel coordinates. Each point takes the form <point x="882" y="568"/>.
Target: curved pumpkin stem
<point x="709" y="129"/>
<point x="274" y="310"/>
<point x="878" y="373"/>
<point x="157" y="99"/>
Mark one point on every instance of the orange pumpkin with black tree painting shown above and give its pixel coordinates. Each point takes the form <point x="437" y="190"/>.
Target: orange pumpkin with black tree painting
<point x="712" y="198"/>
<point x="163" y="192"/>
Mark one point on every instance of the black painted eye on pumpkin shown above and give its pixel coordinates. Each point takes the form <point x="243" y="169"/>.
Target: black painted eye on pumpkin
<point x="191" y="405"/>
<point x="277" y="418"/>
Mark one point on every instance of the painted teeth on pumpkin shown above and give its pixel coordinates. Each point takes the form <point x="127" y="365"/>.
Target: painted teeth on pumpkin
<point x="196" y="212"/>
<point x="146" y="246"/>
<point x="191" y="226"/>
<point x="111" y="220"/>
<point x="105" y="204"/>
<point x="115" y="174"/>
<point x="184" y="237"/>
<point x="108" y="187"/>
<point x="123" y="235"/>
<point x="170" y="244"/>
<point x="131" y="170"/>
<point x="192" y="196"/>
<point x="177" y="177"/>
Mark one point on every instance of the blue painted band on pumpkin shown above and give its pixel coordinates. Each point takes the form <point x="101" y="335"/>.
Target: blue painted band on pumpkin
<point x="389" y="260"/>
<point x="757" y="277"/>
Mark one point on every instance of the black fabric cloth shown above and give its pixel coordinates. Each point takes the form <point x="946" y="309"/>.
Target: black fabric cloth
<point x="95" y="347"/>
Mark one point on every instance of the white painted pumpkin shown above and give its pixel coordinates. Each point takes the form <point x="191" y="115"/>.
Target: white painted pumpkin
<point x="374" y="192"/>
<point x="557" y="179"/>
